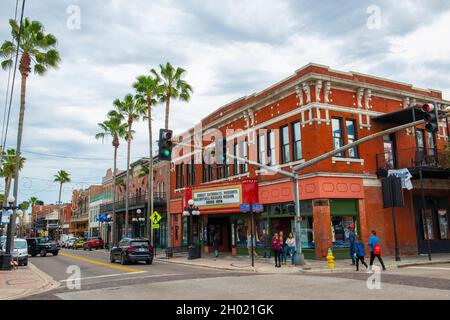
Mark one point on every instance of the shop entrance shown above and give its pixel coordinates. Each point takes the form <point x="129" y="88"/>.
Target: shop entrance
<point x="221" y="226"/>
<point x="285" y="225"/>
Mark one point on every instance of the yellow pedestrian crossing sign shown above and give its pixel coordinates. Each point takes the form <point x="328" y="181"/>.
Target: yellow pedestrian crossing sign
<point x="156" y="218"/>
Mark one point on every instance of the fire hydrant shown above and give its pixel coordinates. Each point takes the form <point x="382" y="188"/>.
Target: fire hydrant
<point x="330" y="259"/>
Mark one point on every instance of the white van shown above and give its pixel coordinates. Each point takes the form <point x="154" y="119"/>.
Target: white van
<point x="20" y="251"/>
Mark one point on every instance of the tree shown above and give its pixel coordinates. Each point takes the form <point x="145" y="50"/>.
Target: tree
<point x="62" y="177"/>
<point x="172" y="87"/>
<point x="33" y="201"/>
<point x="35" y="48"/>
<point x="8" y="171"/>
<point x="116" y="129"/>
<point x="130" y="110"/>
<point x="147" y="91"/>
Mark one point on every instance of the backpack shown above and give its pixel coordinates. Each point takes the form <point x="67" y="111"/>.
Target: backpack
<point x="377" y="249"/>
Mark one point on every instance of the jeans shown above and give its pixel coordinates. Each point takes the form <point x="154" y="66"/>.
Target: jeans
<point x="358" y="259"/>
<point x="352" y="253"/>
<point x="372" y="258"/>
<point x="216" y="253"/>
<point x="283" y="252"/>
<point x="292" y="253"/>
<point x="277" y="255"/>
<point x="266" y="252"/>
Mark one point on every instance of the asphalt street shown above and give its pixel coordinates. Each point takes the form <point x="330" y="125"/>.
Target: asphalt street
<point x="99" y="279"/>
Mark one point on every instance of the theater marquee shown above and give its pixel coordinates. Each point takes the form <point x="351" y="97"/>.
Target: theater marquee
<point x="218" y="197"/>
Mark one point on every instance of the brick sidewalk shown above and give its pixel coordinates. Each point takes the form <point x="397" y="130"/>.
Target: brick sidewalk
<point x="23" y="282"/>
<point x="243" y="263"/>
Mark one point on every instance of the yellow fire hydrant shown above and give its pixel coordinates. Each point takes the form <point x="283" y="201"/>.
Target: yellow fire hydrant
<point x="330" y="259"/>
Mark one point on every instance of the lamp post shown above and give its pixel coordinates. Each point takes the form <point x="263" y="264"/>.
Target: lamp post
<point x="193" y="250"/>
<point x="138" y="219"/>
<point x="5" y="259"/>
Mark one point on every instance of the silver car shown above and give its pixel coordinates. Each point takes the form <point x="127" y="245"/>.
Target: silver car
<point x="20" y="251"/>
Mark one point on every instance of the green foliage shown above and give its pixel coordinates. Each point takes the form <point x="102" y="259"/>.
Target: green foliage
<point x="8" y="164"/>
<point x="173" y="85"/>
<point x="62" y="177"/>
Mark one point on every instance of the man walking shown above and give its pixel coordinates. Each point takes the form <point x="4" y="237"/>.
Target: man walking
<point x="374" y="244"/>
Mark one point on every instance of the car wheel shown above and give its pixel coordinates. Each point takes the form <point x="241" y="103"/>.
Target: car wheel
<point x="149" y="261"/>
<point x="55" y="253"/>
<point x="90" y="248"/>
<point x="43" y="253"/>
<point x="123" y="259"/>
<point x="25" y="263"/>
<point x="33" y="254"/>
<point x="111" y="258"/>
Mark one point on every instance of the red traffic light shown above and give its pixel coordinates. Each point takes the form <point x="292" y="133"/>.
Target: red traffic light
<point x="428" y="107"/>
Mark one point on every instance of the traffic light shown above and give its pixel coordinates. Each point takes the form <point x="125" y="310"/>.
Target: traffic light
<point x="431" y="117"/>
<point x="165" y="145"/>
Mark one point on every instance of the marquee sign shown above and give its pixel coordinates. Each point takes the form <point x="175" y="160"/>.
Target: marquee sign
<point x="218" y="197"/>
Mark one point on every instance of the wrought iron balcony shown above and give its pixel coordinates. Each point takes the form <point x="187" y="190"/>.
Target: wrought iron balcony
<point x="425" y="160"/>
<point x="159" y="199"/>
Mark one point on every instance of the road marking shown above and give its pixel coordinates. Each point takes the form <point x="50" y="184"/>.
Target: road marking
<point x="105" y="276"/>
<point x="429" y="268"/>
<point x="104" y="264"/>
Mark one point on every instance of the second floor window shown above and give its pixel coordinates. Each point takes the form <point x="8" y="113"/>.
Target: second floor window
<point x="296" y="133"/>
<point x="262" y="149"/>
<point x="235" y="161"/>
<point x="285" y="145"/>
<point x="351" y="137"/>
<point x="338" y="135"/>
<point x="271" y="151"/>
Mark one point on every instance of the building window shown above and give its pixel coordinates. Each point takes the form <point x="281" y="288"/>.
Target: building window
<point x="285" y="150"/>
<point x="235" y="161"/>
<point x="192" y="171"/>
<point x="204" y="171"/>
<point x="188" y="174"/>
<point x="244" y="155"/>
<point x="210" y="172"/>
<point x="443" y="224"/>
<point x="262" y="149"/>
<point x="431" y="144"/>
<point x="427" y="223"/>
<point x="338" y="137"/>
<point x="271" y="151"/>
<point x="296" y="133"/>
<point x="351" y="137"/>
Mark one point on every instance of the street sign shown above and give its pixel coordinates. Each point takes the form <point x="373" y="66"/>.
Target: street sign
<point x="156" y="218"/>
<point x="6" y="215"/>
<point x="258" y="208"/>
<point x="155" y="226"/>
<point x="246" y="207"/>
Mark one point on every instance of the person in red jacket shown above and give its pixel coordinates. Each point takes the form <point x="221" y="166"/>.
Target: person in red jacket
<point x="276" y="247"/>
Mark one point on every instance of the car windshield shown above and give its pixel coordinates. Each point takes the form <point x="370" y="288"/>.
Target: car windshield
<point x="42" y="240"/>
<point x="139" y="243"/>
<point x="20" y="244"/>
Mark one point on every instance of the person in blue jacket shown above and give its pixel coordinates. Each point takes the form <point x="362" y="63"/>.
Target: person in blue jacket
<point x="360" y="252"/>
<point x="373" y="241"/>
<point x="352" y="240"/>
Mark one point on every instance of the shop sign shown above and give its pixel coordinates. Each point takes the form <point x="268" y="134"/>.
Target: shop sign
<point x="217" y="197"/>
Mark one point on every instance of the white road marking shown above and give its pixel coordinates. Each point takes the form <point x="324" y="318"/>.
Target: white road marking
<point x="105" y="276"/>
<point x="429" y="268"/>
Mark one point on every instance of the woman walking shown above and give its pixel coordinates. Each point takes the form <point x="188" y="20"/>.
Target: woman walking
<point x="358" y="248"/>
<point x="276" y="247"/>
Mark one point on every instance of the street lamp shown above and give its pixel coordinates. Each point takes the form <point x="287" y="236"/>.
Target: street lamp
<point x="194" y="250"/>
<point x="5" y="259"/>
<point x="139" y="219"/>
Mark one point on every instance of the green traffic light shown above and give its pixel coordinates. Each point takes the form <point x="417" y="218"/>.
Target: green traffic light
<point x="167" y="152"/>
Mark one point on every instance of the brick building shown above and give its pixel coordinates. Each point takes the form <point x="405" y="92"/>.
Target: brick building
<point x="312" y="112"/>
<point x="81" y="199"/>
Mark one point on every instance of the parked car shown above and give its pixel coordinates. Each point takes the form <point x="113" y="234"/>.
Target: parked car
<point x="20" y="251"/>
<point x="69" y="243"/>
<point x="42" y="246"/>
<point x="64" y="239"/>
<point x="78" y="244"/>
<point x="94" y="243"/>
<point x="131" y="251"/>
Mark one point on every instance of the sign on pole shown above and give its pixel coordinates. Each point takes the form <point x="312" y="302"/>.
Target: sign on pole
<point x="156" y="218"/>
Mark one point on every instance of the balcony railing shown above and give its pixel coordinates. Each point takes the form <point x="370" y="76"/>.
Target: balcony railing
<point x="413" y="158"/>
<point x="159" y="198"/>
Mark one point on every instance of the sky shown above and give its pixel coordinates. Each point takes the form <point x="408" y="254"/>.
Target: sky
<point x="230" y="49"/>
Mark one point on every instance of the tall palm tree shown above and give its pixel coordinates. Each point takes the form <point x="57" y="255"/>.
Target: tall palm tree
<point x="172" y="87"/>
<point x="33" y="201"/>
<point x="62" y="177"/>
<point x="116" y="129"/>
<point x="35" y="47"/>
<point x="8" y="171"/>
<point x="147" y="91"/>
<point x="130" y="110"/>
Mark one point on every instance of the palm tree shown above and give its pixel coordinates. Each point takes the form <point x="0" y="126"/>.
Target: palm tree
<point x="8" y="171"/>
<point x="130" y="110"/>
<point x="35" y="47"/>
<point x="33" y="201"/>
<point x="172" y="87"/>
<point x="62" y="177"/>
<point x="148" y="90"/>
<point x="116" y="129"/>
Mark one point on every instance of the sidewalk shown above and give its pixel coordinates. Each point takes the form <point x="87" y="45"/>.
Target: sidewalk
<point x="243" y="263"/>
<point x="25" y="281"/>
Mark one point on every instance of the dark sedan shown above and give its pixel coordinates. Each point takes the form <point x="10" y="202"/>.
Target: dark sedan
<point x="131" y="251"/>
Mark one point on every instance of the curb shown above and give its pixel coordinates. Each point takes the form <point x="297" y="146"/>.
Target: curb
<point x="49" y="284"/>
<point x="413" y="264"/>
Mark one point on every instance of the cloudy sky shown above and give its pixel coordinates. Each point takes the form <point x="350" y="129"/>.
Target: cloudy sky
<point x="230" y="48"/>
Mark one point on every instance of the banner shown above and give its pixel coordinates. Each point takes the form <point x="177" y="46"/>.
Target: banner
<point x="405" y="175"/>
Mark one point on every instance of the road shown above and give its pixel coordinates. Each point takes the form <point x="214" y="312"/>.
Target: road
<point x="101" y="280"/>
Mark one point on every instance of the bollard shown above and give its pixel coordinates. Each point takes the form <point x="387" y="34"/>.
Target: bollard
<point x="330" y="259"/>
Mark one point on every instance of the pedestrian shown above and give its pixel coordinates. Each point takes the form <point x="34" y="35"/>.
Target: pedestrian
<point x="216" y="244"/>
<point x="283" y="252"/>
<point x="263" y="241"/>
<point x="250" y="240"/>
<point x="276" y="247"/>
<point x="290" y="244"/>
<point x="351" y="238"/>
<point x="360" y="252"/>
<point x="375" y="249"/>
